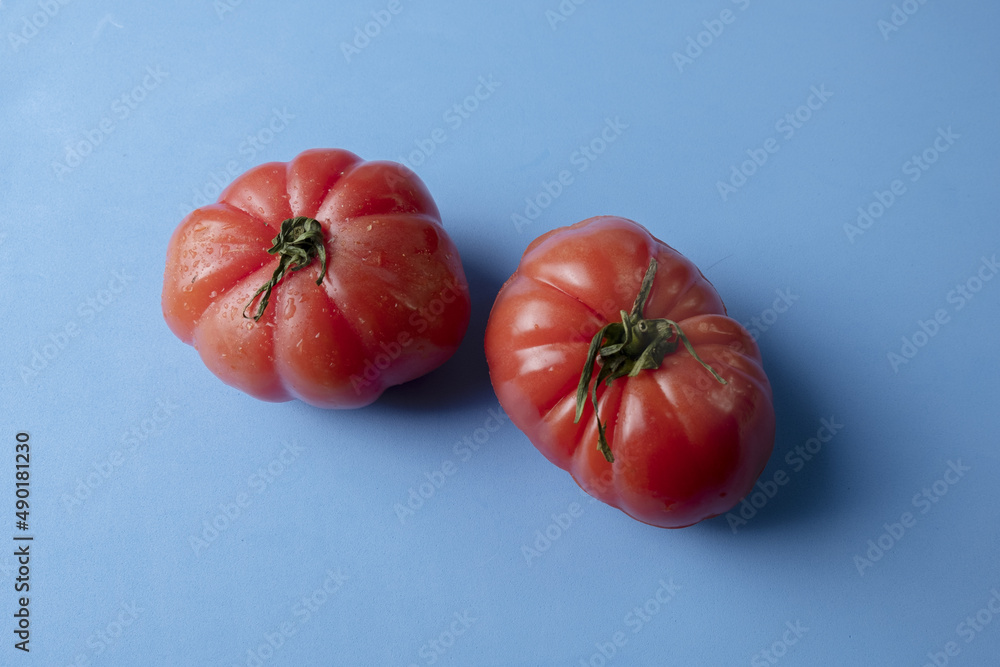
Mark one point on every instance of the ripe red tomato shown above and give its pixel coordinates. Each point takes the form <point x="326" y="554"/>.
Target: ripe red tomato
<point x="362" y="289"/>
<point x="686" y="418"/>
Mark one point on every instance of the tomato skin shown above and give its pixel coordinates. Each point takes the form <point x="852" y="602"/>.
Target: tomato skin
<point x="392" y="305"/>
<point x="686" y="447"/>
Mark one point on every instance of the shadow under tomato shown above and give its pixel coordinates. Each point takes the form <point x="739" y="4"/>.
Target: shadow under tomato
<point x="462" y="381"/>
<point x="807" y="492"/>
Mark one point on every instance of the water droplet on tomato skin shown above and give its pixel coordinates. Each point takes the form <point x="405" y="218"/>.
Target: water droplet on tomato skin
<point x="289" y="309"/>
<point x="213" y="294"/>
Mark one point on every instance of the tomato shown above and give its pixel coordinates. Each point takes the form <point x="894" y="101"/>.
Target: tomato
<point x="326" y="279"/>
<point x="604" y="313"/>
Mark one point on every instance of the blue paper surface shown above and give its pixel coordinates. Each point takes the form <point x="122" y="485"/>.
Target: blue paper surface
<point x="831" y="167"/>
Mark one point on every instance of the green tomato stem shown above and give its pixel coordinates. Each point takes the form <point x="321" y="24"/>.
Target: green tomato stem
<point x="298" y="242"/>
<point x="627" y="348"/>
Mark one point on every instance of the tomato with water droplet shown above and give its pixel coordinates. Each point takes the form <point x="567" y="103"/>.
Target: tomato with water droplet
<point x="297" y="237"/>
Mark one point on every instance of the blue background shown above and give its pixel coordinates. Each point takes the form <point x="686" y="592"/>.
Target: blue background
<point x="137" y="449"/>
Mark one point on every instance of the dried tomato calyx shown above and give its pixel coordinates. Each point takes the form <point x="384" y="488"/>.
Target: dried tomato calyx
<point x="628" y="347"/>
<point x="298" y="242"/>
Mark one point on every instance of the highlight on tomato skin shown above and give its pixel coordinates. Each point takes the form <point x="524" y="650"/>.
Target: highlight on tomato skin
<point x="325" y="279"/>
<point x="613" y="353"/>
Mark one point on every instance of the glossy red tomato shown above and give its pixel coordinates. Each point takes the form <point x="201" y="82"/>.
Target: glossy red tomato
<point x="326" y="278"/>
<point x="686" y="424"/>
